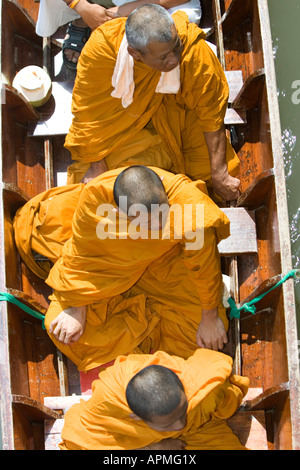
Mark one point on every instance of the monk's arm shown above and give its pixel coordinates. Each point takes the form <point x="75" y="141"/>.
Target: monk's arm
<point x="69" y="325"/>
<point x="205" y="272"/>
<point x="224" y="185"/>
<point x="211" y="332"/>
<point x="127" y="8"/>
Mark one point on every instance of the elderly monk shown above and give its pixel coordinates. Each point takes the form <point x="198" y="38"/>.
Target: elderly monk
<point x="157" y="86"/>
<point x="119" y="285"/>
<point x="159" y="402"/>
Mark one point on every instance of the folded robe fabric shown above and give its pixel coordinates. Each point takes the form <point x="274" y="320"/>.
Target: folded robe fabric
<point x="103" y="259"/>
<point x="103" y="128"/>
<point x="172" y="283"/>
<point x="44" y="224"/>
<point x="142" y="295"/>
<point x="103" y="422"/>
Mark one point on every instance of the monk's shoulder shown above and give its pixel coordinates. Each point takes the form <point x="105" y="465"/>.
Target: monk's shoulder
<point x="105" y="40"/>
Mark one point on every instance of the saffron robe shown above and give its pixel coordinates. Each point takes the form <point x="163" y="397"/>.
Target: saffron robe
<point x="103" y="422"/>
<point x="44" y="224"/>
<point x="141" y="293"/>
<point x="169" y="126"/>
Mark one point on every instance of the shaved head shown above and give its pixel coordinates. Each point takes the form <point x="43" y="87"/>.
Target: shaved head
<point x="148" y="23"/>
<point x="140" y="185"/>
<point x="154" y="391"/>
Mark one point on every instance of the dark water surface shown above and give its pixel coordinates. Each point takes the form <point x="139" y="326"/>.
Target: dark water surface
<point x="285" y="25"/>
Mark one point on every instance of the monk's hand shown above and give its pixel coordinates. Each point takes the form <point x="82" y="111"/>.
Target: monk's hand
<point x="166" y="444"/>
<point x="226" y="186"/>
<point x="96" y="169"/>
<point x="69" y="325"/>
<point x="211" y="332"/>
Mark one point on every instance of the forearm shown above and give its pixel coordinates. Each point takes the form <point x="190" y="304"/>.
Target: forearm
<point x="216" y="145"/>
<point x="223" y="183"/>
<point x="92" y="14"/>
<point x="127" y="8"/>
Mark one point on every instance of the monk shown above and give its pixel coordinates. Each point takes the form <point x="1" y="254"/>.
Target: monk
<point x="159" y="402"/>
<point x="119" y="286"/>
<point x="151" y="83"/>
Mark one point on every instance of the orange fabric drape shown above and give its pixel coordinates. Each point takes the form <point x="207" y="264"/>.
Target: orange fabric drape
<point x="161" y="123"/>
<point x="160" y="284"/>
<point x="142" y="295"/>
<point x="103" y="422"/>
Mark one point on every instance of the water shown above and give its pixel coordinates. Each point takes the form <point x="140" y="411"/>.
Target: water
<point x="285" y="22"/>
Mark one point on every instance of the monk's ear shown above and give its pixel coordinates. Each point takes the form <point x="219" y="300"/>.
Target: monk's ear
<point x="134" y="53"/>
<point x="134" y="416"/>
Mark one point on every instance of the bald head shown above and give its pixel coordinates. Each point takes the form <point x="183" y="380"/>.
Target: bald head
<point x="155" y="391"/>
<point x="148" y="23"/>
<point x="139" y="185"/>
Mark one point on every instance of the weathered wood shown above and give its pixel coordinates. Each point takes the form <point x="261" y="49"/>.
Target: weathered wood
<point x="249" y="96"/>
<point x="242" y="237"/>
<point x="265" y="343"/>
<point x="22" y="21"/>
<point x="27" y="300"/>
<point x="64" y="403"/>
<point x="34" y="409"/>
<point x="22" y="109"/>
<point x="268" y="399"/>
<point x="235" y="15"/>
<point x="255" y="195"/>
<point x="250" y="427"/>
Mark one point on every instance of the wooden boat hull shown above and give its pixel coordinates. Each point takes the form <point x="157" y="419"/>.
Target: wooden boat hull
<point x="265" y="344"/>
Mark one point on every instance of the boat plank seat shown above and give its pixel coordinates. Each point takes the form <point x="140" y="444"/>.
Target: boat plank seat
<point x="21" y="108"/>
<point x="56" y="115"/>
<point x="256" y="193"/>
<point x="235" y="82"/>
<point x="249" y="426"/>
<point x="242" y="237"/>
<point x="22" y="22"/>
<point x="235" y="15"/>
<point x="249" y="95"/>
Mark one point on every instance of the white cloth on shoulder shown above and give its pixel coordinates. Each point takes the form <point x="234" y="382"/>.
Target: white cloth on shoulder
<point x="123" y="77"/>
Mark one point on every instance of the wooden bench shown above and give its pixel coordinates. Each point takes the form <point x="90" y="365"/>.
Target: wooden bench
<point x="242" y="237"/>
<point x="56" y="115"/>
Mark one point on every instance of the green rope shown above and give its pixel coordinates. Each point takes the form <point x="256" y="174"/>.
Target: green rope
<point x="10" y="298"/>
<point x="249" y="306"/>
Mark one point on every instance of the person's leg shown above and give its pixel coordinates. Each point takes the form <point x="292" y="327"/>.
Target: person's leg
<point x="77" y="35"/>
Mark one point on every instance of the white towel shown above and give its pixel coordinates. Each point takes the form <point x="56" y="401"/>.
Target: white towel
<point x="123" y="80"/>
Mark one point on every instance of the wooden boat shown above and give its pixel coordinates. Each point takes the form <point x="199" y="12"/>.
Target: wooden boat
<point x="264" y="344"/>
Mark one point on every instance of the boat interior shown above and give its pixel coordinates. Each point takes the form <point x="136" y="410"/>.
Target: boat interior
<point x="37" y="381"/>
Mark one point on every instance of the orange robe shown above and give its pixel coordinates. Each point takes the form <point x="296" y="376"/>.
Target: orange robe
<point x="162" y="130"/>
<point x="44" y="224"/>
<point x="145" y="293"/>
<point x="103" y="422"/>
